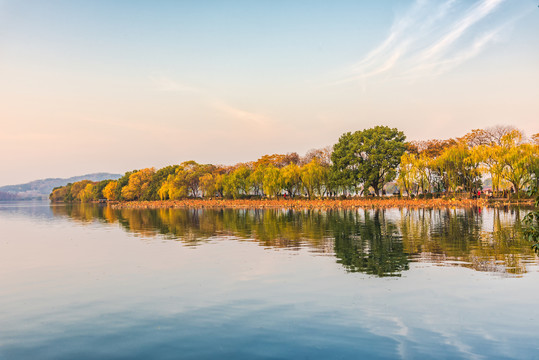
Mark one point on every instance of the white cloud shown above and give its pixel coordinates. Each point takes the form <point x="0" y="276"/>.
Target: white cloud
<point x="458" y="29"/>
<point x="430" y="39"/>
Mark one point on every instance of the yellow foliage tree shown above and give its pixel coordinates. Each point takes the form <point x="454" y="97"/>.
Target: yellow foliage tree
<point x="517" y="160"/>
<point x="313" y="177"/>
<point x="86" y="194"/>
<point x="408" y="173"/>
<point x="109" y="192"/>
<point x="272" y="181"/>
<point x="291" y="178"/>
<point x="138" y="183"/>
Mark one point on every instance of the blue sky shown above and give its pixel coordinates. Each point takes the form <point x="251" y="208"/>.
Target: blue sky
<point x="89" y="86"/>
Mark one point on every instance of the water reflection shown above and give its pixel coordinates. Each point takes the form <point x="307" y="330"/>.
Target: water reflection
<point x="377" y="242"/>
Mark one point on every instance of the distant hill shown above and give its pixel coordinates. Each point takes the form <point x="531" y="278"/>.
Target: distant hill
<point x="4" y="196"/>
<point x="40" y="189"/>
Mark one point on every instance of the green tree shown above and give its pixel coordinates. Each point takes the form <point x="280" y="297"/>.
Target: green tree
<point x="368" y="157"/>
<point x="531" y="220"/>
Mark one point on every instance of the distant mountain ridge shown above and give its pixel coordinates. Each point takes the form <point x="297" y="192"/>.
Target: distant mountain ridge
<point x="40" y="189"/>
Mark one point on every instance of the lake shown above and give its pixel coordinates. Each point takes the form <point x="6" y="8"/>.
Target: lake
<point x="90" y="282"/>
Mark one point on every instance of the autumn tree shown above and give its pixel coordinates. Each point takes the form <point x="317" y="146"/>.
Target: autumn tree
<point x="151" y="192"/>
<point x="61" y="194"/>
<point x="86" y="194"/>
<point x="208" y="184"/>
<point x="185" y="181"/>
<point x="98" y="189"/>
<point x="488" y="136"/>
<point x="109" y="192"/>
<point x="276" y="160"/>
<point x="77" y="188"/>
<point x="323" y="155"/>
<point x="137" y="184"/>
<point x="123" y="181"/>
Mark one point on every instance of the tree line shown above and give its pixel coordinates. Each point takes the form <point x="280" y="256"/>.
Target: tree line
<point x="359" y="164"/>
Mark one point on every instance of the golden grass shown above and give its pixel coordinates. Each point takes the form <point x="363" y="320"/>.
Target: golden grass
<point x="321" y="204"/>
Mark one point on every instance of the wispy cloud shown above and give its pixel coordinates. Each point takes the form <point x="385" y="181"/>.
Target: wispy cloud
<point x="247" y="117"/>
<point x="458" y="29"/>
<point x="431" y="38"/>
<point x="232" y="113"/>
<point x="166" y="84"/>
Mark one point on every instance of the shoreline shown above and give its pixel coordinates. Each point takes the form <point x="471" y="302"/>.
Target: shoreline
<point x="323" y="204"/>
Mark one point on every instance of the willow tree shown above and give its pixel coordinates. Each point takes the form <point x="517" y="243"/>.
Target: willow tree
<point x="272" y="181"/>
<point x="491" y="161"/>
<point x="313" y="178"/>
<point x="408" y="174"/>
<point x="459" y="168"/>
<point x="256" y="180"/>
<point x="240" y="178"/>
<point x="291" y="178"/>
<point x="208" y="184"/>
<point x="424" y="166"/>
<point x="516" y="160"/>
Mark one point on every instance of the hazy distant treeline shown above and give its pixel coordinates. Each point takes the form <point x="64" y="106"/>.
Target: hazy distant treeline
<point x="360" y="163"/>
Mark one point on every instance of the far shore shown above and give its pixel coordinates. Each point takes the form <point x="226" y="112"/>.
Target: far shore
<point x="321" y="204"/>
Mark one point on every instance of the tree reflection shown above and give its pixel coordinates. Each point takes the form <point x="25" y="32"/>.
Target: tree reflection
<point x="376" y="242"/>
<point x="369" y="244"/>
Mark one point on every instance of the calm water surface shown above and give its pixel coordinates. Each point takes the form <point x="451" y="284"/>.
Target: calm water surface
<point x="89" y="282"/>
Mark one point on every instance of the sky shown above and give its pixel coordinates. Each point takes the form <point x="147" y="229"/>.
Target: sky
<point x="112" y="86"/>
